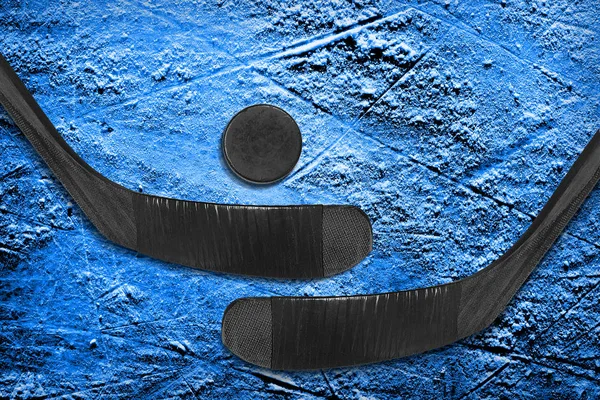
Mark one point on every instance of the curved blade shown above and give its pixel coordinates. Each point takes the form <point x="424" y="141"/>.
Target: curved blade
<point x="282" y="242"/>
<point x="325" y="332"/>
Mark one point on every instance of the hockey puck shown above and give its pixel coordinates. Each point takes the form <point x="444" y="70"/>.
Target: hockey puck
<point x="262" y="143"/>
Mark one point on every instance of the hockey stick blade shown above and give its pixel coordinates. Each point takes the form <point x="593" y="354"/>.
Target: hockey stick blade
<point x="324" y="332"/>
<point x="269" y="241"/>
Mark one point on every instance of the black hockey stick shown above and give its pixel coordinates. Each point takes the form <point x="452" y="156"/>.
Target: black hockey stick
<point x="325" y="332"/>
<point x="283" y="242"/>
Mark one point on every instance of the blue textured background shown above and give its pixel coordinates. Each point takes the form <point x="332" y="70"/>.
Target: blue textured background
<point x="449" y="122"/>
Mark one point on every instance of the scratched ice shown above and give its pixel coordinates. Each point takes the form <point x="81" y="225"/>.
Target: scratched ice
<point x="449" y="122"/>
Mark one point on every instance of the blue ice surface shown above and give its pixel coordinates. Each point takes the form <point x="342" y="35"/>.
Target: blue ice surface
<point x="449" y="122"/>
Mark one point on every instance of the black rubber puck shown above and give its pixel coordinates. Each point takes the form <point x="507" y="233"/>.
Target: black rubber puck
<point x="262" y="143"/>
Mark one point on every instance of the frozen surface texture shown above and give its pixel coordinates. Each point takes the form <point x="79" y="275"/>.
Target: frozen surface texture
<point x="450" y="122"/>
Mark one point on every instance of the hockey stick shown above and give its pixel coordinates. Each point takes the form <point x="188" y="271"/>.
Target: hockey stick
<point x="325" y="332"/>
<point x="283" y="242"/>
